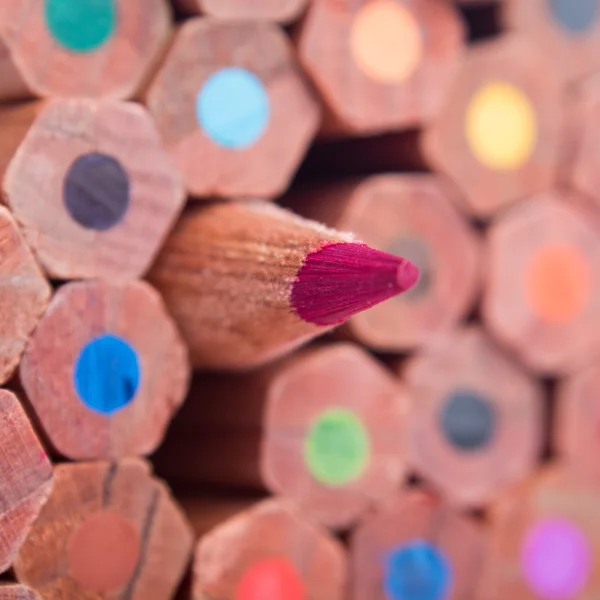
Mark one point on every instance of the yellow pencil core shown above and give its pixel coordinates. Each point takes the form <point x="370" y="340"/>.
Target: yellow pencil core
<point x="501" y="126"/>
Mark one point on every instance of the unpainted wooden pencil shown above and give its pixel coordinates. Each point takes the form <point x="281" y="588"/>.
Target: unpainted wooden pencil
<point x="86" y="48"/>
<point x="382" y="64"/>
<point x="91" y="186"/>
<point x="476" y="418"/>
<point x="105" y="370"/>
<point x="416" y="545"/>
<point x="542" y="292"/>
<point x="566" y="31"/>
<point x="545" y="539"/>
<point x="501" y="133"/>
<point x="108" y="530"/>
<point x="18" y="592"/>
<point x="25" y="295"/>
<point x="270" y="550"/>
<point x="26" y="475"/>
<point x="248" y="281"/>
<point x="324" y="428"/>
<point x="282" y="11"/>
<point x="233" y="108"/>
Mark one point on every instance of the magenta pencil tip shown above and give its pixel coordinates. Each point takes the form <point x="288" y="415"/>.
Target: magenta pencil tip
<point x="407" y="275"/>
<point x="340" y="280"/>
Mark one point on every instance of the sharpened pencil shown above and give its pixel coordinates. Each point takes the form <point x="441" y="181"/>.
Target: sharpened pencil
<point x="247" y="282"/>
<point x="413" y="216"/>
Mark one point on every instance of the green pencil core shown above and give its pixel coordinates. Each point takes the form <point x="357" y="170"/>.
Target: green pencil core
<point x="336" y="448"/>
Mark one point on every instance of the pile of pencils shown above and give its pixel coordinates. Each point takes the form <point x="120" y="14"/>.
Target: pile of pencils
<point x="300" y="300"/>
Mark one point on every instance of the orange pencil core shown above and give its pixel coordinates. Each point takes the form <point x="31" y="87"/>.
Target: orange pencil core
<point x="557" y="283"/>
<point x="104" y="552"/>
<point x="386" y="41"/>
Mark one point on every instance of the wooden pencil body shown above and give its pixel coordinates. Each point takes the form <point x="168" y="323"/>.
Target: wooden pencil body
<point x="555" y="514"/>
<point x="25" y="295"/>
<point x="419" y="543"/>
<point x="108" y="530"/>
<point x="225" y="274"/>
<point x="324" y="427"/>
<point x="92" y="188"/>
<point x="575" y="425"/>
<point x="18" y="592"/>
<point x="283" y="11"/>
<point x="102" y="381"/>
<point x="499" y="135"/>
<point x="27" y="477"/>
<point x="83" y="49"/>
<point x="542" y="295"/>
<point x="380" y="65"/>
<point x="274" y="540"/>
<point x="568" y="32"/>
<point x="219" y="74"/>
<point x="476" y="418"/>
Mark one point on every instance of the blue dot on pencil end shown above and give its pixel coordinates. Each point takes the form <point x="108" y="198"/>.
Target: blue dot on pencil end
<point x="107" y="374"/>
<point x="233" y="108"/>
<point x="575" y="16"/>
<point x="417" y="571"/>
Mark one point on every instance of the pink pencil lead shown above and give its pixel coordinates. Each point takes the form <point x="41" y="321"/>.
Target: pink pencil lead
<point x="342" y="279"/>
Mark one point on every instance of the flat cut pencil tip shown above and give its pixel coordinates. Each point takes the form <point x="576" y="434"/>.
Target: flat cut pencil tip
<point x="339" y="280"/>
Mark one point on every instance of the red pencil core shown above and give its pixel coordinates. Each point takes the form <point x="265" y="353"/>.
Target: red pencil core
<point x="340" y="280"/>
<point x="271" y="579"/>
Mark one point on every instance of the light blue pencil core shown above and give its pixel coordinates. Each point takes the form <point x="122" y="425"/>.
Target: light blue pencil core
<point x="107" y="374"/>
<point x="417" y="571"/>
<point x="233" y="108"/>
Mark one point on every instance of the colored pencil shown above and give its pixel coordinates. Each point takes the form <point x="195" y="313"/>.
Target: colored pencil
<point x="545" y="540"/>
<point x="574" y="430"/>
<point x="108" y="530"/>
<point x="416" y="547"/>
<point x="476" y="420"/>
<point x="567" y="32"/>
<point x="92" y="188"/>
<point x="283" y="11"/>
<point x="25" y="295"/>
<point x="233" y="108"/>
<point x="26" y="475"/>
<point x="17" y="592"/>
<point x="84" y="48"/>
<point x="385" y="64"/>
<point x="582" y="169"/>
<point x="541" y="298"/>
<point x="412" y="216"/>
<point x="325" y="428"/>
<point x="500" y="133"/>
<point x="105" y="370"/>
<point x="248" y="281"/>
<point x="270" y="550"/>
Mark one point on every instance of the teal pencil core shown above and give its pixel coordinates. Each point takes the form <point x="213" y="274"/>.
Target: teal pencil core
<point x="81" y="25"/>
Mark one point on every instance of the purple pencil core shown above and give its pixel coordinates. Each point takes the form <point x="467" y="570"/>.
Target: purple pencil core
<point x="340" y="280"/>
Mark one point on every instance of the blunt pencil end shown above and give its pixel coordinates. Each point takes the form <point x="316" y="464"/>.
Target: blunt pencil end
<point x="341" y="279"/>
